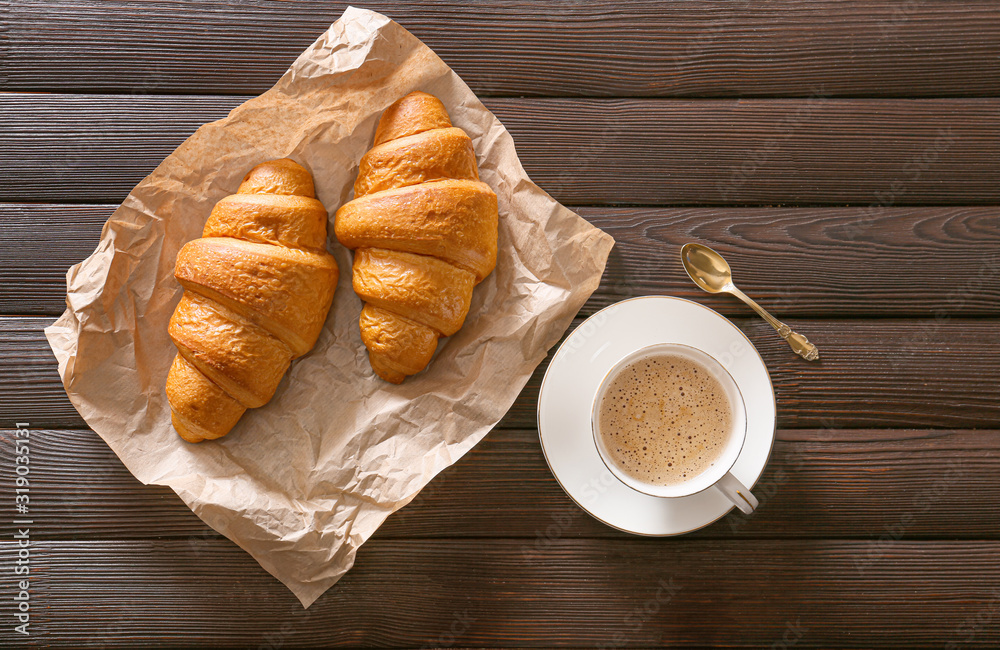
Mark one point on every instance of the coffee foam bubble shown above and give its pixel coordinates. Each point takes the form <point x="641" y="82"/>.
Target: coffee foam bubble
<point x="665" y="419"/>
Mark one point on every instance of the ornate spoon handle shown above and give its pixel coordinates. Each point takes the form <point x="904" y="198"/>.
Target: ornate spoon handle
<point x="799" y="344"/>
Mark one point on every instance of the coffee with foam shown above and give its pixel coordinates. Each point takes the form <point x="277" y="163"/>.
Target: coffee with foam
<point x="665" y="419"/>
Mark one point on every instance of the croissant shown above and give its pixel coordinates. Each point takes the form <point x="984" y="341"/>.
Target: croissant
<point x="258" y="287"/>
<point x="424" y="231"/>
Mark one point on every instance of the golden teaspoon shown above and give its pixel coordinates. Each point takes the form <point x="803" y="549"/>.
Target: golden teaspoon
<point x="711" y="272"/>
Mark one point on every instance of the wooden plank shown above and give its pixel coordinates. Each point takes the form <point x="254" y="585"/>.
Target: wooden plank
<point x="813" y="262"/>
<point x="873" y="153"/>
<point x="804" y="262"/>
<point x="38" y="244"/>
<point x="922" y="374"/>
<point x="506" y="47"/>
<point x="819" y="483"/>
<point x="486" y="592"/>
<point x="30" y="388"/>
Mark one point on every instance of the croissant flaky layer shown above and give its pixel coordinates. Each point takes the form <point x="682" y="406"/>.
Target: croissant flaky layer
<point x="424" y="231"/>
<point x="258" y="286"/>
<point x="426" y="156"/>
<point x="286" y="291"/>
<point x="398" y="346"/>
<point x="240" y="357"/>
<point x="199" y="409"/>
<point x="452" y="220"/>
<point x="291" y="221"/>
<point x="423" y="289"/>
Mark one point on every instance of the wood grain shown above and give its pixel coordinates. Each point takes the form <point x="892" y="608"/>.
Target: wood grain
<point x="920" y="374"/>
<point x="38" y="244"/>
<point x="842" y="155"/>
<point x="485" y="592"/>
<point x="872" y="153"/>
<point x="803" y="262"/>
<point x="509" y="47"/>
<point x="916" y="484"/>
<point x="29" y="380"/>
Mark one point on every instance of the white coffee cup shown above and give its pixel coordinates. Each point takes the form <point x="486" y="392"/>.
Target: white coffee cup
<point x="719" y="476"/>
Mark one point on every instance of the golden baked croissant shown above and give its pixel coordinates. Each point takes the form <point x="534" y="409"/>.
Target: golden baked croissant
<point x="424" y="230"/>
<point x="258" y="286"/>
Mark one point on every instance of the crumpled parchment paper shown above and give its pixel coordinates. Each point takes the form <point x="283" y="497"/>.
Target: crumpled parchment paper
<point x="301" y="483"/>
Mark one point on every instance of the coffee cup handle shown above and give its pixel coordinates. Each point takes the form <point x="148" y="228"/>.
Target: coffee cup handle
<point x="736" y="492"/>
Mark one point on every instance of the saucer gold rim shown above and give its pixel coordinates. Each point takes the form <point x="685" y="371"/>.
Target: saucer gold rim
<point x="547" y="453"/>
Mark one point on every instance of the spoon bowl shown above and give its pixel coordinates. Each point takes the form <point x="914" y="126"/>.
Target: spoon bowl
<point x="707" y="268"/>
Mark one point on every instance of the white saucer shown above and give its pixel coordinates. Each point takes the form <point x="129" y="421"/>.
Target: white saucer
<point x="576" y="372"/>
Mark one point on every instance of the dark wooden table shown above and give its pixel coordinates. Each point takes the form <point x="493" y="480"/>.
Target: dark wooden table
<point x="842" y="155"/>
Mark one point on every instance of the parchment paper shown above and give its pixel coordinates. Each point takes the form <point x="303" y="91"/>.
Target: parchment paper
<point x="301" y="483"/>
